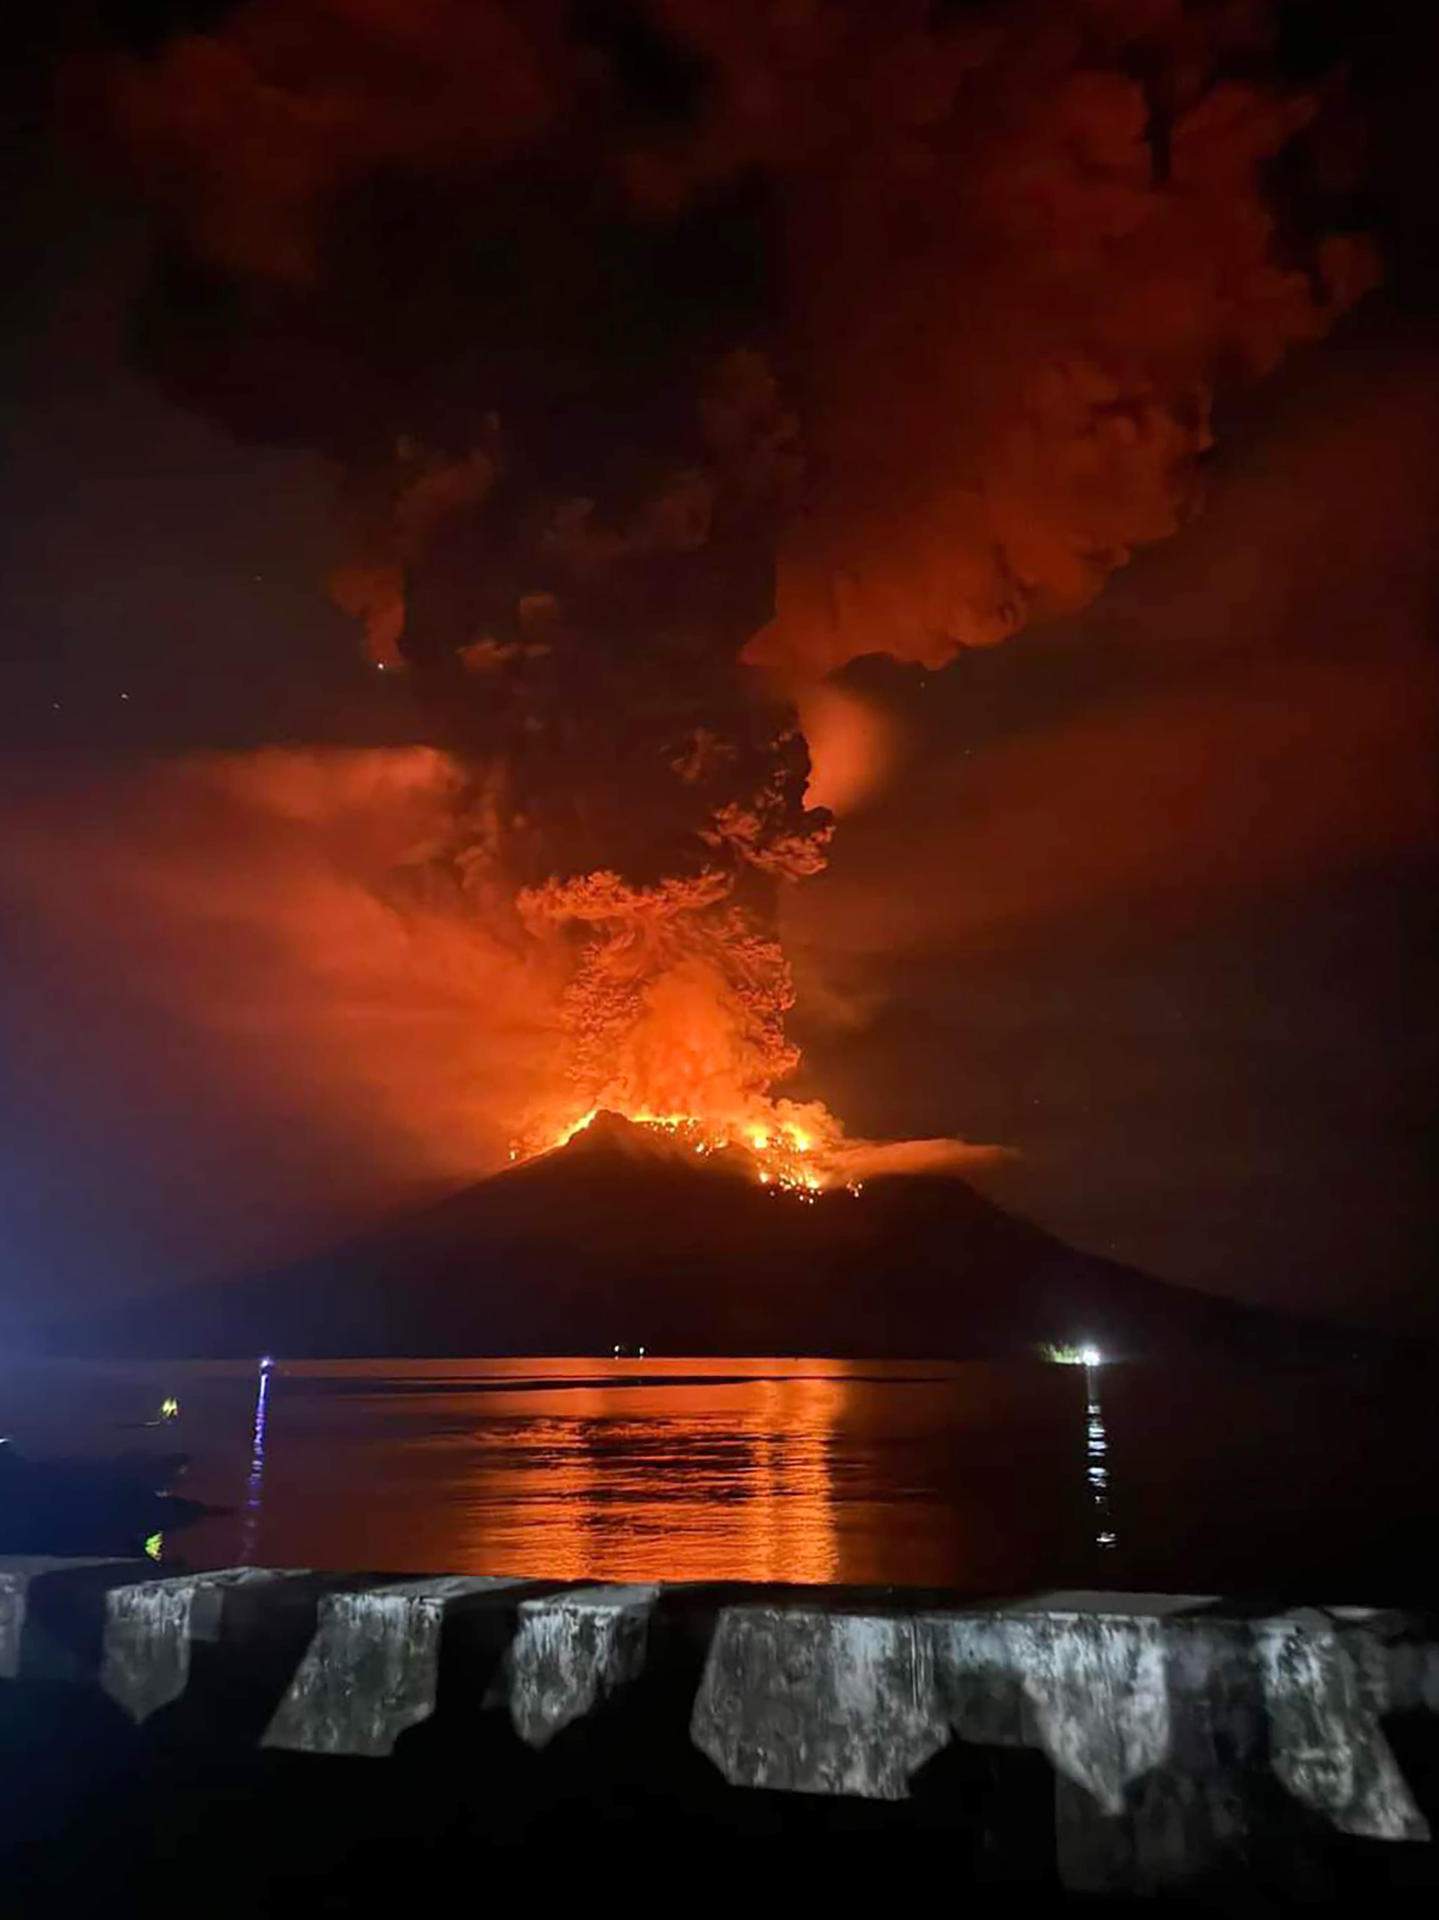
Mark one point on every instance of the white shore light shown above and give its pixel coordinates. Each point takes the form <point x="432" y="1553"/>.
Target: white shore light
<point x="1061" y="1356"/>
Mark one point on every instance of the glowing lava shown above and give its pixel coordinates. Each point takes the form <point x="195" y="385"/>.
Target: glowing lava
<point x="787" y="1157"/>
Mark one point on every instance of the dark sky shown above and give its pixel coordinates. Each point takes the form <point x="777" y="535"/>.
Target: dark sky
<point x="1158" y="905"/>
<point x="1151" y="905"/>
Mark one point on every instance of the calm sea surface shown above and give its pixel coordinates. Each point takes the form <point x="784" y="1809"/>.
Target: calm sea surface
<point x="980" y="1477"/>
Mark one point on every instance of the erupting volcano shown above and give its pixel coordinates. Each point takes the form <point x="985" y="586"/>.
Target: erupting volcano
<point x="668" y="359"/>
<point x="785" y="1158"/>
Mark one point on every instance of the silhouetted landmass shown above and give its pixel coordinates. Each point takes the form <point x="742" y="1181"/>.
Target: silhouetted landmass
<point x="624" y="1237"/>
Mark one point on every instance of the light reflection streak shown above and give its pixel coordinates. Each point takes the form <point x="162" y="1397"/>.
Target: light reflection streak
<point x="1096" y="1452"/>
<point x="255" y="1484"/>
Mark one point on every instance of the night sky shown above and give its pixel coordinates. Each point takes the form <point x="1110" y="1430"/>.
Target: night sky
<point x="1150" y="903"/>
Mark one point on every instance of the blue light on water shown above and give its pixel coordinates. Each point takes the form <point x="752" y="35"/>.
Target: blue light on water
<point x="255" y="1485"/>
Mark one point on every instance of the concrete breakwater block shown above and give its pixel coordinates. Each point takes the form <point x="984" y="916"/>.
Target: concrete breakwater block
<point x="571" y="1651"/>
<point x="372" y="1668"/>
<point x="1146" y="1706"/>
<point x="815" y="1700"/>
<point x="353" y="1659"/>
<point x="152" y="1627"/>
<point x="52" y="1614"/>
<point x="851" y="1701"/>
<point x="1088" y="1687"/>
<point x="1156" y="1712"/>
<point x="1189" y="1738"/>
<point x="1326" y="1684"/>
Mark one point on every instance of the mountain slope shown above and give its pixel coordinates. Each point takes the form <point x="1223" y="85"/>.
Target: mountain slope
<point x="623" y="1235"/>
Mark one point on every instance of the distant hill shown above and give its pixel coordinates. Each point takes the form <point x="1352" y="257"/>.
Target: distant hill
<point x="623" y="1235"/>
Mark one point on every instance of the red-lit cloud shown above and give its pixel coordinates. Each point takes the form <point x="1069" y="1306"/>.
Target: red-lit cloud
<point x="282" y="914"/>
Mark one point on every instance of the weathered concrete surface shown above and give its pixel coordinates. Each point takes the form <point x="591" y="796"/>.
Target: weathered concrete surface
<point x="837" y="1702"/>
<point x="1158" y="1709"/>
<point x="1326" y="1683"/>
<point x="1092" y="1689"/>
<point x="1184" y="1733"/>
<point x="152" y="1626"/>
<point x="51" y="1613"/>
<point x="1147" y="1707"/>
<point x="571" y="1651"/>
<point x="373" y="1667"/>
<point x="815" y="1701"/>
<point x="1155" y="1711"/>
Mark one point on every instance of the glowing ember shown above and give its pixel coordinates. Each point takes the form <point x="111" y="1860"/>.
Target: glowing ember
<point x="787" y="1157"/>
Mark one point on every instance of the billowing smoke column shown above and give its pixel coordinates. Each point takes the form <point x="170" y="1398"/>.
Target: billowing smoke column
<point x="673" y="356"/>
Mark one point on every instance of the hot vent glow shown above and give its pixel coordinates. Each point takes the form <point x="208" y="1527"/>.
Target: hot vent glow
<point x="787" y="1156"/>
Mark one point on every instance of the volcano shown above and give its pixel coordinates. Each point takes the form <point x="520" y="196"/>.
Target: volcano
<point x="624" y="1236"/>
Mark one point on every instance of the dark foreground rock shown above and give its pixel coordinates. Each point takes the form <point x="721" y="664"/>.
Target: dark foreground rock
<point x="86" y="1506"/>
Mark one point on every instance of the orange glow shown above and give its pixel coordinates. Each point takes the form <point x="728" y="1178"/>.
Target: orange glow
<point x="853" y="746"/>
<point x="785" y="1155"/>
<point x="1008" y="325"/>
<point x="285" y="913"/>
<point x="672" y="1015"/>
<point x="573" y="1479"/>
<point x="283" y="919"/>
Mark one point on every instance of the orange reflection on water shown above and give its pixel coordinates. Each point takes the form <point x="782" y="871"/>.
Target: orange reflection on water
<point x="627" y="1480"/>
<point x="788" y="1470"/>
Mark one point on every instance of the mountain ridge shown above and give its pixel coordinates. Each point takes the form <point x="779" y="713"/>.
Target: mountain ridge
<point x="626" y="1236"/>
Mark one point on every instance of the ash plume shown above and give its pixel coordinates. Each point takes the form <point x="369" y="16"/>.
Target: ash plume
<point x="672" y="356"/>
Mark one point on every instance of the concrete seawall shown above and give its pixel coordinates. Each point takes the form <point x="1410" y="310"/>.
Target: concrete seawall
<point x="1142" y="1743"/>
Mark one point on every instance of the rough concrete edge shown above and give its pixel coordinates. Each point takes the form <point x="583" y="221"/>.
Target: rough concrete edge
<point x="151" y="1625"/>
<point x="1327" y="1682"/>
<point x="758" y="1717"/>
<point x="371" y="1669"/>
<point x="571" y="1651"/>
<point x="18" y="1575"/>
